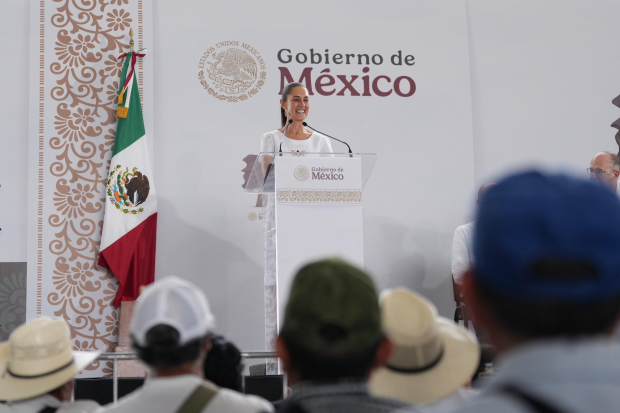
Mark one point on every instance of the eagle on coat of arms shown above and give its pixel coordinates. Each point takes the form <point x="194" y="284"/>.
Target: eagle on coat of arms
<point x="127" y="189"/>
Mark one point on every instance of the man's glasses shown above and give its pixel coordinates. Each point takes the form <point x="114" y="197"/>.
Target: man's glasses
<point x="598" y="172"/>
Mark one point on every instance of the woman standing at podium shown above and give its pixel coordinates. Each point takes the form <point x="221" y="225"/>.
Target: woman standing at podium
<point x="293" y="136"/>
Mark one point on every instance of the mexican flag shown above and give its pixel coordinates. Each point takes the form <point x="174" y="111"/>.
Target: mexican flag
<point x="130" y="221"/>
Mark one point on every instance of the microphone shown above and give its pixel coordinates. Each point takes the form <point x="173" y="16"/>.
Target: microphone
<point x="285" y="129"/>
<point x="308" y="126"/>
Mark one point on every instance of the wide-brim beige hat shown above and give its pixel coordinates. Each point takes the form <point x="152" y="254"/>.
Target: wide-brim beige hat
<point x="39" y="358"/>
<point x="432" y="355"/>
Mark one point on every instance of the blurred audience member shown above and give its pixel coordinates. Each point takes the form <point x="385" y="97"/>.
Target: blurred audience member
<point x="223" y="364"/>
<point x="461" y="243"/>
<point x="37" y="367"/>
<point x="605" y="168"/>
<point x="433" y="358"/>
<point x="331" y="340"/>
<point x="171" y="333"/>
<point x="546" y="289"/>
<point x="485" y="366"/>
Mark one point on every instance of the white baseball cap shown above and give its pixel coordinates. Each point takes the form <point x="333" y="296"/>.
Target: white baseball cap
<point x="174" y="302"/>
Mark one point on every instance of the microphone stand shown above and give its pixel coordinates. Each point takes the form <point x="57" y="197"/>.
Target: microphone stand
<point x="270" y="166"/>
<point x="285" y="129"/>
<point x="308" y="126"/>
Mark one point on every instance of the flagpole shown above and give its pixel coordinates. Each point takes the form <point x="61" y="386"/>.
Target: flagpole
<point x="131" y="40"/>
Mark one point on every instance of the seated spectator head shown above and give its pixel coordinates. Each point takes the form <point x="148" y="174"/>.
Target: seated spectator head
<point x="547" y="260"/>
<point x="38" y="359"/>
<point x="483" y="190"/>
<point x="171" y="326"/>
<point x="605" y="168"/>
<point x="332" y="324"/>
<point x="223" y="364"/>
<point x="432" y="356"/>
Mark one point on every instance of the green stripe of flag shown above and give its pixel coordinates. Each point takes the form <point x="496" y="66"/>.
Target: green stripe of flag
<point x="130" y="129"/>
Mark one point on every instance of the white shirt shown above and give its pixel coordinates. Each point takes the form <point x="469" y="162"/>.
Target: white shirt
<point x="36" y="404"/>
<point x="167" y="395"/>
<point x="270" y="142"/>
<point x="572" y="376"/>
<point x="443" y="405"/>
<point x="462" y="256"/>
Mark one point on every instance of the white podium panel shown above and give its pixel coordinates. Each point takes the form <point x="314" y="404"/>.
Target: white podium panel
<point x="318" y="214"/>
<point x="312" y="209"/>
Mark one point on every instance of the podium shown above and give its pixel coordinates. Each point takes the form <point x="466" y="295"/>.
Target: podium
<point x="312" y="209"/>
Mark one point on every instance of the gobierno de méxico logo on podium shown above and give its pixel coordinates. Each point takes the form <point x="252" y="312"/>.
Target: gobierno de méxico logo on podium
<point x="301" y="173"/>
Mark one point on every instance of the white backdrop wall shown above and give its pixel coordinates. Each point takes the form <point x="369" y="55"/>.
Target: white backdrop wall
<point x="14" y="44"/>
<point x="204" y="232"/>
<point x="543" y="74"/>
<point x="543" y="77"/>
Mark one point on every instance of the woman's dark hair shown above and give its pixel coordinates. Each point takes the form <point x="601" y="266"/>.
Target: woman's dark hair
<point x="223" y="364"/>
<point x="162" y="349"/>
<point x="551" y="318"/>
<point x="314" y="366"/>
<point x="285" y="92"/>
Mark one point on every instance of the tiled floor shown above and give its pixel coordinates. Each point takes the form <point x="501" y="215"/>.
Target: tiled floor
<point x="12" y="297"/>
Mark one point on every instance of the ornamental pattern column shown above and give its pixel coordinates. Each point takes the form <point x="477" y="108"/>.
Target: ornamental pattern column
<point x="76" y="83"/>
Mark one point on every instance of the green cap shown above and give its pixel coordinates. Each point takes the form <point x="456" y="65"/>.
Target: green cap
<point x="333" y="308"/>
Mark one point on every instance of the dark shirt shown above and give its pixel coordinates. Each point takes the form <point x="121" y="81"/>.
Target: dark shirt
<point x="339" y="397"/>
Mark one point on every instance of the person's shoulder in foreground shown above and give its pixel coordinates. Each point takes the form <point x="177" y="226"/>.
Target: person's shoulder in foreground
<point x="171" y="333"/>
<point x="566" y="375"/>
<point x="331" y="340"/>
<point x="240" y="402"/>
<point x="170" y="393"/>
<point x="545" y="288"/>
<point x="38" y="404"/>
<point x="339" y="396"/>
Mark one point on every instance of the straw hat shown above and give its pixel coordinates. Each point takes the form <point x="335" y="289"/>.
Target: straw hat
<point x="38" y="358"/>
<point x="432" y="355"/>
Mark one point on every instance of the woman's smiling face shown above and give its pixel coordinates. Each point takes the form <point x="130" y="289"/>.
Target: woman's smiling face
<point x="297" y="104"/>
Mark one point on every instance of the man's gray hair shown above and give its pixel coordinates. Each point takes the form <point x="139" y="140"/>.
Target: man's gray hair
<point x="615" y="160"/>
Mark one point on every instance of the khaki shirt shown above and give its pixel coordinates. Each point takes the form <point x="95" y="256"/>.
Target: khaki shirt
<point x="167" y="394"/>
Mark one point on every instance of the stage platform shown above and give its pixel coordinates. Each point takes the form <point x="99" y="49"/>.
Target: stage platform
<point x="100" y="390"/>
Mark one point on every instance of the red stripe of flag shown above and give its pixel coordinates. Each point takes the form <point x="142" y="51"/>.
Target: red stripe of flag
<point x="131" y="259"/>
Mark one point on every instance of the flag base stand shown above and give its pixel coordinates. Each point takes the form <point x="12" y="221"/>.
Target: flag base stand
<point x="127" y="368"/>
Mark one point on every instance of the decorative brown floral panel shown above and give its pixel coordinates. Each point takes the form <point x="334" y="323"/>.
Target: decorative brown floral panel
<point x="75" y="44"/>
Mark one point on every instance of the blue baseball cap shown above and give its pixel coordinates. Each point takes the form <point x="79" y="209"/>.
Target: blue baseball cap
<point x="548" y="237"/>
